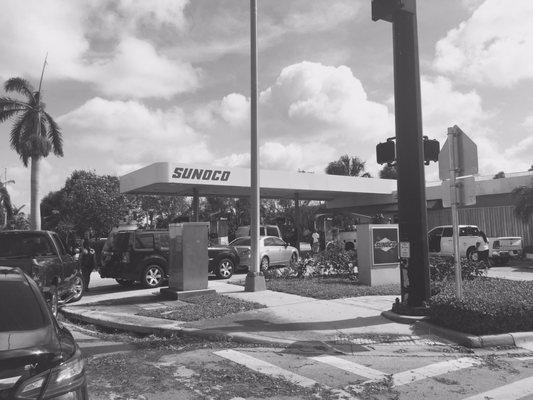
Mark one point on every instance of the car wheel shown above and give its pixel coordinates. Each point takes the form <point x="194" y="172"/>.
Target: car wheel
<point x="472" y="254"/>
<point x="153" y="276"/>
<point x="125" y="282"/>
<point x="294" y="260"/>
<point x="265" y="263"/>
<point x="224" y="268"/>
<point x="79" y="289"/>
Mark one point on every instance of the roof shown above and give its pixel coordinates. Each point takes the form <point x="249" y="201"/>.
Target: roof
<point x="184" y="179"/>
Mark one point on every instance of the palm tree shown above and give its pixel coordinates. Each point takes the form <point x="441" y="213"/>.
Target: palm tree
<point x="6" y="208"/>
<point x="523" y="196"/>
<point x="33" y="135"/>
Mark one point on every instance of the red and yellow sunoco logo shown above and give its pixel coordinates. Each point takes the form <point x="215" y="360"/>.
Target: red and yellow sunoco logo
<point x="201" y="174"/>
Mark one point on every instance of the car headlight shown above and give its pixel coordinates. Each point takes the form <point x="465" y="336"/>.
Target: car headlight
<point x="62" y="381"/>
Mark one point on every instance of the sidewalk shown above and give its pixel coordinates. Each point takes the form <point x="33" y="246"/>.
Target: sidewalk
<point x="287" y="319"/>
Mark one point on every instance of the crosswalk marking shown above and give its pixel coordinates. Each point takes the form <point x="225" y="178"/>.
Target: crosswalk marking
<point x="351" y="367"/>
<point x="275" y="371"/>
<point x="512" y="391"/>
<point x="403" y="378"/>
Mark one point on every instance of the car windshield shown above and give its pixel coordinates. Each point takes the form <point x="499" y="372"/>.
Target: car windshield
<point x="27" y="244"/>
<point x="241" y="242"/>
<point x="19" y="307"/>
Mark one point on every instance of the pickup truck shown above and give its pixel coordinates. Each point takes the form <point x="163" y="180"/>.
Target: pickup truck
<point x="42" y="255"/>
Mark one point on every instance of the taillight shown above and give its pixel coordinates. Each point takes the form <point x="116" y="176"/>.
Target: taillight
<point x="126" y="257"/>
<point x="65" y="378"/>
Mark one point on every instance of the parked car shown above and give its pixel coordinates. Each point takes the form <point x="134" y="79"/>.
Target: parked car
<point x="39" y="358"/>
<point x="440" y="241"/>
<point x="273" y="251"/>
<point x="42" y="255"/>
<point x="506" y="247"/>
<point x="264" y="230"/>
<point x="142" y="256"/>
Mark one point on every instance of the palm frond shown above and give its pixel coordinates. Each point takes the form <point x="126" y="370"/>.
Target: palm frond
<point x="19" y="136"/>
<point x="19" y="85"/>
<point x="5" y="200"/>
<point x="54" y="135"/>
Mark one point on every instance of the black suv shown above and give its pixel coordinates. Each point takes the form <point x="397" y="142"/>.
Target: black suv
<point x="42" y="255"/>
<point x="39" y="358"/>
<point x="138" y="255"/>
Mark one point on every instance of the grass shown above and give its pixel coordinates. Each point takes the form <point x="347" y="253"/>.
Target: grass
<point x="201" y="307"/>
<point x="326" y="288"/>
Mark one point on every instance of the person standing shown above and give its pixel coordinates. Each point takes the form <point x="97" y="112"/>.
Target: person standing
<point x="87" y="259"/>
<point x="316" y="243"/>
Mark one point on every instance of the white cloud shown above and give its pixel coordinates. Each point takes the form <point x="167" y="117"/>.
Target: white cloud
<point x="235" y="109"/>
<point x="128" y="133"/>
<point x="97" y="42"/>
<point x="494" y="46"/>
<point x="528" y="122"/>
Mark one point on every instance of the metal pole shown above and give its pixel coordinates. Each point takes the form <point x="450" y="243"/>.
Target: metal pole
<point x="412" y="208"/>
<point x="297" y="220"/>
<point x="255" y="280"/>
<point x="195" y="205"/>
<point x="452" y="140"/>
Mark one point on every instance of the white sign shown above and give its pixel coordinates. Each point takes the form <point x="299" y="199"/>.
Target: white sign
<point x="464" y="154"/>
<point x="405" y="250"/>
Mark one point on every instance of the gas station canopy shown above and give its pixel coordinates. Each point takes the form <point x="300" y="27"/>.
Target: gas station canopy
<point x="189" y="180"/>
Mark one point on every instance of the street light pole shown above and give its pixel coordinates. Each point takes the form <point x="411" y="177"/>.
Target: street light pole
<point x="255" y="281"/>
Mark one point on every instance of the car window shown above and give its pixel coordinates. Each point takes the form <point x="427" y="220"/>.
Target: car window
<point x="277" y="242"/>
<point x="243" y="241"/>
<point x="472" y="231"/>
<point x="272" y="231"/>
<point x="25" y="245"/>
<point x="121" y="241"/>
<point x="164" y="240"/>
<point x="436" y="232"/>
<point x="447" y="232"/>
<point x="19" y="308"/>
<point x="144" y="241"/>
<point x="262" y="231"/>
<point x="463" y="232"/>
<point x="269" y="242"/>
<point x="59" y="244"/>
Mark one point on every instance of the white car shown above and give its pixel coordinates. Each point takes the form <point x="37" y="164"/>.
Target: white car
<point x="272" y="250"/>
<point x="471" y="242"/>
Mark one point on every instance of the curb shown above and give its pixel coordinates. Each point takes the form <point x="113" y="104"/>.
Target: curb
<point x="214" y="335"/>
<point x="465" y="339"/>
<point x="402" y="319"/>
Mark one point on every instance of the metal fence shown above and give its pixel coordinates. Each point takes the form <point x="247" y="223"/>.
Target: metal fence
<point x="494" y="221"/>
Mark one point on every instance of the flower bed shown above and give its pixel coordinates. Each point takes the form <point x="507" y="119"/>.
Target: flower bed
<point x="489" y="306"/>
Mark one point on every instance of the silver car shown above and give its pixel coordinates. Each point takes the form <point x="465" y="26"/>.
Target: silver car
<point x="272" y="250"/>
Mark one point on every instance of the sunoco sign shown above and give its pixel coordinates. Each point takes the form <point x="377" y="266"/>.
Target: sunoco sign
<point x="385" y="245"/>
<point x="201" y="174"/>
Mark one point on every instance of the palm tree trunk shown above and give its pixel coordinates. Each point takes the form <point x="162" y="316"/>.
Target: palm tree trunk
<point x="35" y="207"/>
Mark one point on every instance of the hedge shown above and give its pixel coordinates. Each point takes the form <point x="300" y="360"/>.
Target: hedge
<point x="488" y="306"/>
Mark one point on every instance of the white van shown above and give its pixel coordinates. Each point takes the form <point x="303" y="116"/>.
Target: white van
<point x="471" y="242"/>
<point x="264" y="230"/>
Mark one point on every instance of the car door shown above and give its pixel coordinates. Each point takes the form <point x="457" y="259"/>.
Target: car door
<point x="271" y="250"/>
<point x="143" y="246"/>
<point x="434" y="240"/>
<point x="446" y="241"/>
<point x="69" y="267"/>
<point x="283" y="251"/>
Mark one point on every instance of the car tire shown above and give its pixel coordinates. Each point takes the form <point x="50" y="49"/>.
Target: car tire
<point x="472" y="254"/>
<point x="265" y="263"/>
<point x="224" y="268"/>
<point x="79" y="289"/>
<point x="153" y="276"/>
<point x="125" y="282"/>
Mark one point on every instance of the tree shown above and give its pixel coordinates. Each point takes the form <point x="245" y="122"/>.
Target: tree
<point x="6" y="208"/>
<point x="388" y="172"/>
<point x="523" y="197"/>
<point x="34" y="133"/>
<point x="345" y="165"/>
<point x="499" y="175"/>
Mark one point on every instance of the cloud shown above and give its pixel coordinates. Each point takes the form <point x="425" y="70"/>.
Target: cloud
<point x="107" y="43"/>
<point x="494" y="46"/>
<point x="129" y="133"/>
<point x="235" y="109"/>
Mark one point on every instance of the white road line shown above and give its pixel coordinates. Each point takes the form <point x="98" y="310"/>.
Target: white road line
<point x="432" y="370"/>
<point x="512" y="391"/>
<point x="351" y="367"/>
<point x="266" y="368"/>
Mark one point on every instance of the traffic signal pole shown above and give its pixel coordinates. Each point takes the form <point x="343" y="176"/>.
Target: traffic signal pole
<point x="412" y="212"/>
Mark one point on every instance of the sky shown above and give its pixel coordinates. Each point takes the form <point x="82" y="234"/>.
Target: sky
<point x="132" y="82"/>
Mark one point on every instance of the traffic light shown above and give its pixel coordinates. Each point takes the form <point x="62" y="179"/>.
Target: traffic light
<point x="431" y="150"/>
<point x="386" y="152"/>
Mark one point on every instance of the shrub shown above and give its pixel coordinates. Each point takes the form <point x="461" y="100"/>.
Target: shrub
<point x="442" y="270"/>
<point x="489" y="306"/>
<point x="326" y="263"/>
